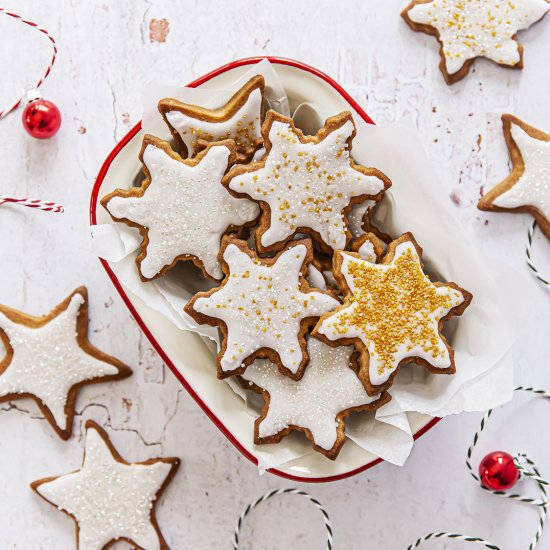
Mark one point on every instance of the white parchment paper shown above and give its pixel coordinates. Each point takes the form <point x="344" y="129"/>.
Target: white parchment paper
<point x="482" y="337"/>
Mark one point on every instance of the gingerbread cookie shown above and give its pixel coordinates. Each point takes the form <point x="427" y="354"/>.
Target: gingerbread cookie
<point x="392" y="313"/>
<point x="356" y="217"/>
<point x="263" y="307"/>
<point x="306" y="184"/>
<point x="240" y="119"/>
<point x="49" y="358"/>
<point x="467" y="29"/>
<point x="316" y="405"/>
<point x="110" y="499"/>
<point x="181" y="209"/>
<point x="369" y="247"/>
<point x="527" y="188"/>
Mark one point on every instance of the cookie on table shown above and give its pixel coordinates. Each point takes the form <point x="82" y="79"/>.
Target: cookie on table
<point x="181" y="209"/>
<point x="392" y="313"/>
<point x="240" y="119"/>
<point x="306" y="184"/>
<point x="110" y="499"/>
<point x="527" y="188"/>
<point x="49" y="359"/>
<point x="467" y="29"/>
<point x="315" y="405"/>
<point x="263" y="307"/>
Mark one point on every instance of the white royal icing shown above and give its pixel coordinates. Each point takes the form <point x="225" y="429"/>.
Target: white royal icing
<point x="48" y="361"/>
<point x="328" y="387"/>
<point x="356" y="216"/>
<point x="262" y="306"/>
<point x="367" y="252"/>
<point x="185" y="209"/>
<point x="307" y="184"/>
<point x="109" y="499"/>
<point x="315" y="278"/>
<point x="244" y="127"/>
<point x="533" y="186"/>
<point x="417" y="319"/>
<point x="473" y="28"/>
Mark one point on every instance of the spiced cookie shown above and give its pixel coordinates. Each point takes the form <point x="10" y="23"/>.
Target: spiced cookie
<point x="392" y="313"/>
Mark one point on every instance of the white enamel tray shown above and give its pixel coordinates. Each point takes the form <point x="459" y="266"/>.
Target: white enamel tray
<point x="184" y="352"/>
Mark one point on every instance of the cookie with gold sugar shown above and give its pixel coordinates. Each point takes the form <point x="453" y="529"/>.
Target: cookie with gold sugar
<point x="527" y="188"/>
<point x="467" y="29"/>
<point x="392" y="313"/>
<point x="110" y="499"/>
<point x="264" y="307"/>
<point x="306" y="184"/>
<point x="181" y="209"/>
<point x="49" y="358"/>
<point x="317" y="404"/>
<point x="240" y="119"/>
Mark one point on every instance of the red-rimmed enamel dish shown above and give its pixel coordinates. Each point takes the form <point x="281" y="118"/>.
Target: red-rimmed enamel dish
<point x="184" y="352"/>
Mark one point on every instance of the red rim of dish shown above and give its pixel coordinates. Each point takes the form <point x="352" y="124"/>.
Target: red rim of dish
<point x="93" y="205"/>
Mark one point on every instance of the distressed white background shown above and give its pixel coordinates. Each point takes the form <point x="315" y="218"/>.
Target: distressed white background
<point x="109" y="51"/>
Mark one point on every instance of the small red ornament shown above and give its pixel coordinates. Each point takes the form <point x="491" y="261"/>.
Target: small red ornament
<point x="498" y="472"/>
<point x="41" y="118"/>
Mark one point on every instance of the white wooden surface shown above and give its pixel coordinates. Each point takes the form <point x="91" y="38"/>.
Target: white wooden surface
<point x="108" y="52"/>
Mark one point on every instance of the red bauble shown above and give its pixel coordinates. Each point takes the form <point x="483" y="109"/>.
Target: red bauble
<point x="41" y="118"/>
<point x="498" y="472"/>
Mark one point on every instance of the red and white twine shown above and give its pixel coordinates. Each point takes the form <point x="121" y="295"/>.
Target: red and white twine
<point x="13" y="106"/>
<point x="47" y="206"/>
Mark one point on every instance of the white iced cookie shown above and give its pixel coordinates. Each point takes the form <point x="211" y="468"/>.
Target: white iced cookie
<point x="527" y="188"/>
<point x="49" y="358"/>
<point x="393" y="313"/>
<point x="109" y="498"/>
<point x="356" y="217"/>
<point x="263" y="307"/>
<point x="181" y="209"/>
<point x="306" y="184"/>
<point x="316" y="404"/>
<point x="369" y="247"/>
<point x="475" y="28"/>
<point x="240" y="119"/>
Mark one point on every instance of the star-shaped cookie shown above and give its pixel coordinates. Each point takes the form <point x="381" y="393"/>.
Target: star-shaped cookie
<point x="392" y="313"/>
<point x="306" y="184"/>
<point x="467" y="29"/>
<point x="240" y="119"/>
<point x="317" y="404"/>
<point x="527" y="188"/>
<point x="181" y="209"/>
<point x="263" y="307"/>
<point x="49" y="358"/>
<point x="108" y="498"/>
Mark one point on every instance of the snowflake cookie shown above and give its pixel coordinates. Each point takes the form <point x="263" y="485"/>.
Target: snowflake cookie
<point x="49" y="358"/>
<point x="108" y="498"/>
<point x="317" y="404"/>
<point x="181" y="209"/>
<point x="306" y="184"/>
<point x="392" y="313"/>
<point x="527" y="188"/>
<point x="240" y="119"/>
<point x="263" y="307"/>
<point x="468" y="29"/>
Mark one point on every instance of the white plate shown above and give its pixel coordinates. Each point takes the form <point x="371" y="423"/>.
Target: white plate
<point x="184" y="352"/>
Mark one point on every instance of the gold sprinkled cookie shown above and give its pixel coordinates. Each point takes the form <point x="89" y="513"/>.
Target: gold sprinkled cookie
<point x="467" y="29"/>
<point x="240" y="119"/>
<point x="392" y="313"/>
<point x="306" y="184"/>
<point x="527" y="188"/>
<point x="263" y="307"/>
